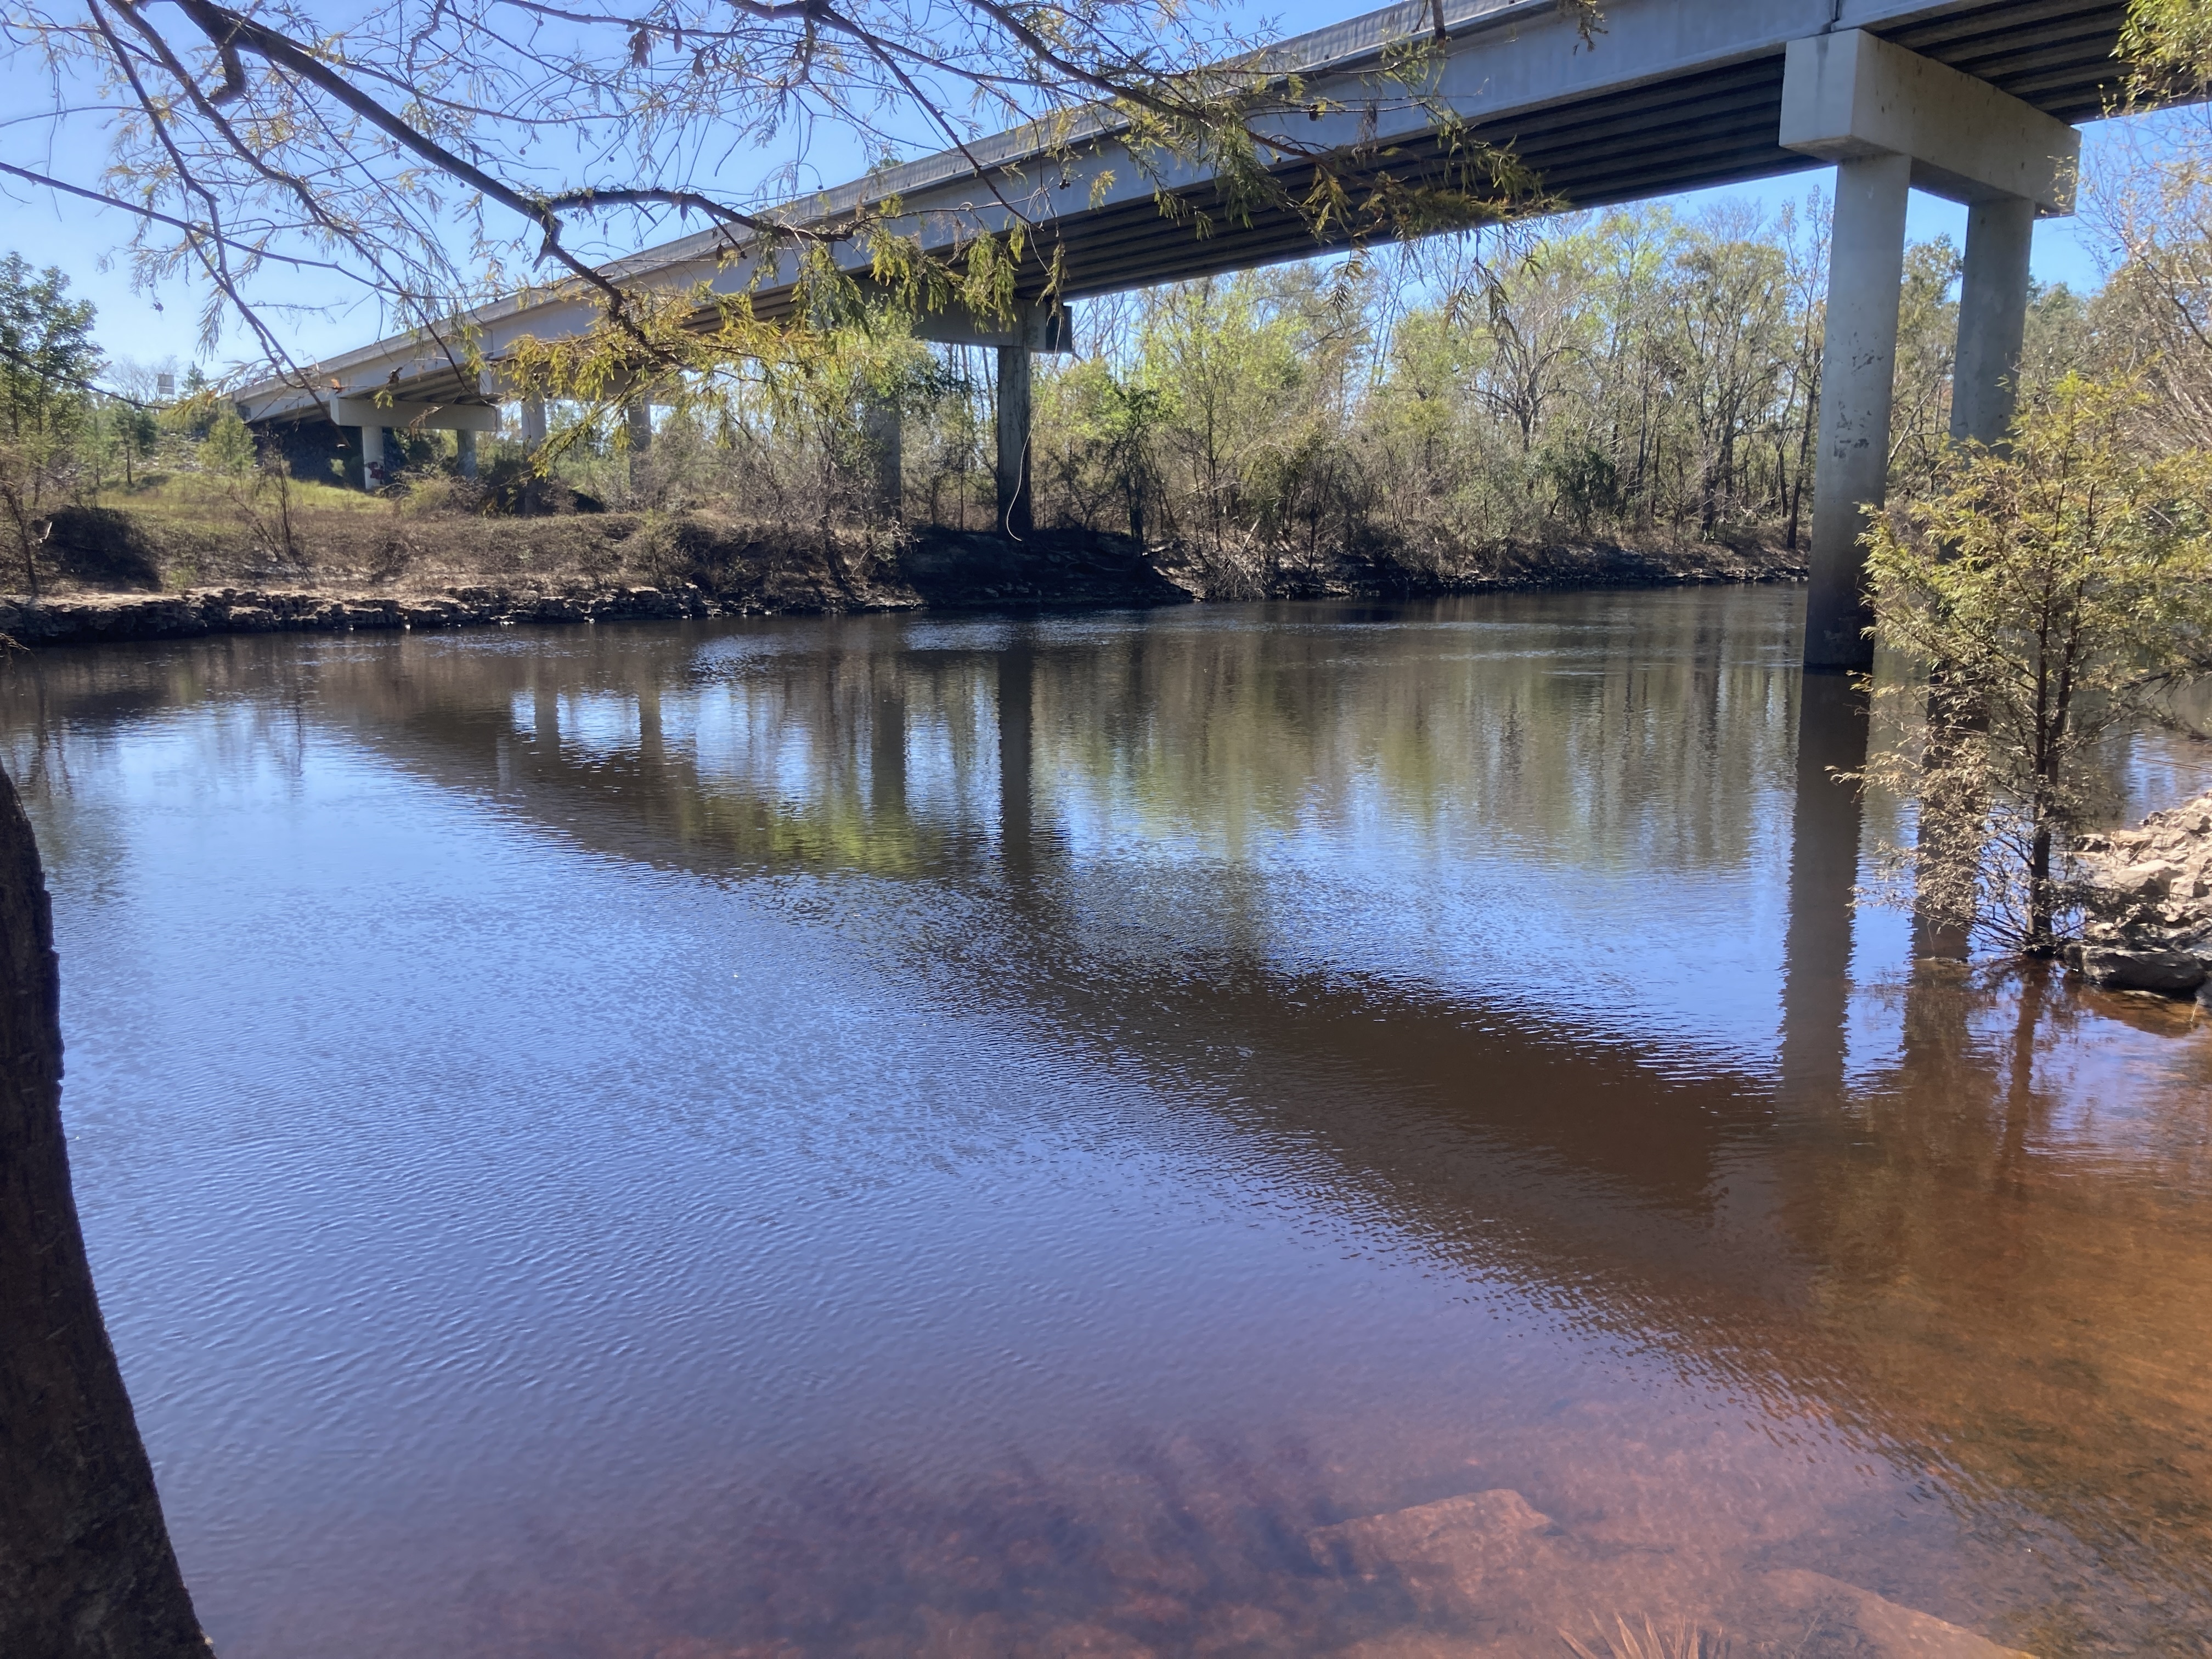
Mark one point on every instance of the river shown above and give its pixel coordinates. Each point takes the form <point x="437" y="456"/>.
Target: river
<point x="973" y="1134"/>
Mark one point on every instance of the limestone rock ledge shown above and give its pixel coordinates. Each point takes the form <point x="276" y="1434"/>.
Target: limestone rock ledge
<point x="99" y="618"/>
<point x="2147" y="905"/>
<point x="1504" y="1581"/>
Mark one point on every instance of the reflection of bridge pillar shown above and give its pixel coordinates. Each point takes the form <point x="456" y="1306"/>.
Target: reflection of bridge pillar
<point x="1824" y="866"/>
<point x="1891" y="119"/>
<point x="1016" y="678"/>
<point x="545" y="717"/>
<point x="887" y="749"/>
<point x="1013" y="434"/>
<point x="648" y="720"/>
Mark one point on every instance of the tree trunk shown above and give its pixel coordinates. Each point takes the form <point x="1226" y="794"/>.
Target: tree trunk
<point x="1951" y="844"/>
<point x="86" y="1568"/>
<point x="2040" y="906"/>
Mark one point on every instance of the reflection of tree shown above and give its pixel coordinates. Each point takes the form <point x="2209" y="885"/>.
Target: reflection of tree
<point x="1625" y="749"/>
<point x="1634" y="740"/>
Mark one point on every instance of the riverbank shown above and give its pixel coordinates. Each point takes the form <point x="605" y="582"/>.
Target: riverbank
<point x="622" y="567"/>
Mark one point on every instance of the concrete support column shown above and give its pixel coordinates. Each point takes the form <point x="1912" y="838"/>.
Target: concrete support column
<point x="637" y="415"/>
<point x="464" y="445"/>
<point x="1858" y="372"/>
<point x="1992" y="319"/>
<point x="1013" y="468"/>
<point x="1891" y="119"/>
<point x="372" y="458"/>
<point x="533" y="494"/>
<point x="886" y="461"/>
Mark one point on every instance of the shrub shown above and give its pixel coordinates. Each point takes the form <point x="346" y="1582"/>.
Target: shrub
<point x="2055" y="593"/>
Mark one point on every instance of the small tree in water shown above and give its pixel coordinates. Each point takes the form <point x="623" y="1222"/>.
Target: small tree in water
<point x="2062" y="587"/>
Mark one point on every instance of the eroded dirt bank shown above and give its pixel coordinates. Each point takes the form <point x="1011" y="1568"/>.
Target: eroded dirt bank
<point x="637" y="570"/>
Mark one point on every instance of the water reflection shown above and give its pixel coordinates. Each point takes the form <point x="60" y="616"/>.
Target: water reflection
<point x="1231" y="1070"/>
<point x="1824" y="860"/>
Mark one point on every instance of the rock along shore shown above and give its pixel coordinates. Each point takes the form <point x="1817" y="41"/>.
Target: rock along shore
<point x="2147" y="908"/>
<point x="99" y="618"/>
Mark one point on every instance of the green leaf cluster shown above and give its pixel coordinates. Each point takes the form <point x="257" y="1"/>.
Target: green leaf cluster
<point x="2168" y="46"/>
<point x="47" y="356"/>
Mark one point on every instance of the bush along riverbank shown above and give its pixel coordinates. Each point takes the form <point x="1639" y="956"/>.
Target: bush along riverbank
<point x="2147" y="905"/>
<point x="615" y="568"/>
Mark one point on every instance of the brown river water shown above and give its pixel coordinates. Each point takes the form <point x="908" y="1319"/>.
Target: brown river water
<point x="998" y="1135"/>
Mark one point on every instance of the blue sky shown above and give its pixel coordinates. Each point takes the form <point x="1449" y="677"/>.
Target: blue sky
<point x="83" y="239"/>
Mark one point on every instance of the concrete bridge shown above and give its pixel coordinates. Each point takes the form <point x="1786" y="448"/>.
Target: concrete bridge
<point x="1972" y="100"/>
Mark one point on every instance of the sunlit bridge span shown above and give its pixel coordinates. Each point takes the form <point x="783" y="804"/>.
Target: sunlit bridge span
<point x="1674" y="95"/>
<point x="1973" y="101"/>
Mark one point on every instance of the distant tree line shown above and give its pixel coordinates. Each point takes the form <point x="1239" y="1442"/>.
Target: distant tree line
<point x="1629" y="374"/>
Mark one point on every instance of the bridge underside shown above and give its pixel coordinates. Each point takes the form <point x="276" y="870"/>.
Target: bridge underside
<point x="1627" y="141"/>
<point x="1976" y="99"/>
<point x="1716" y="127"/>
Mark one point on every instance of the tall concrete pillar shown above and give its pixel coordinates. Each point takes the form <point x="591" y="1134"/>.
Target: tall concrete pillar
<point x="637" y="416"/>
<point x="465" y="447"/>
<point x="372" y="458"/>
<point x="1891" y="119"/>
<point x="1992" y="319"/>
<point x="533" y="421"/>
<point x="1858" y="374"/>
<point x="886" y="477"/>
<point x="1013" y="468"/>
